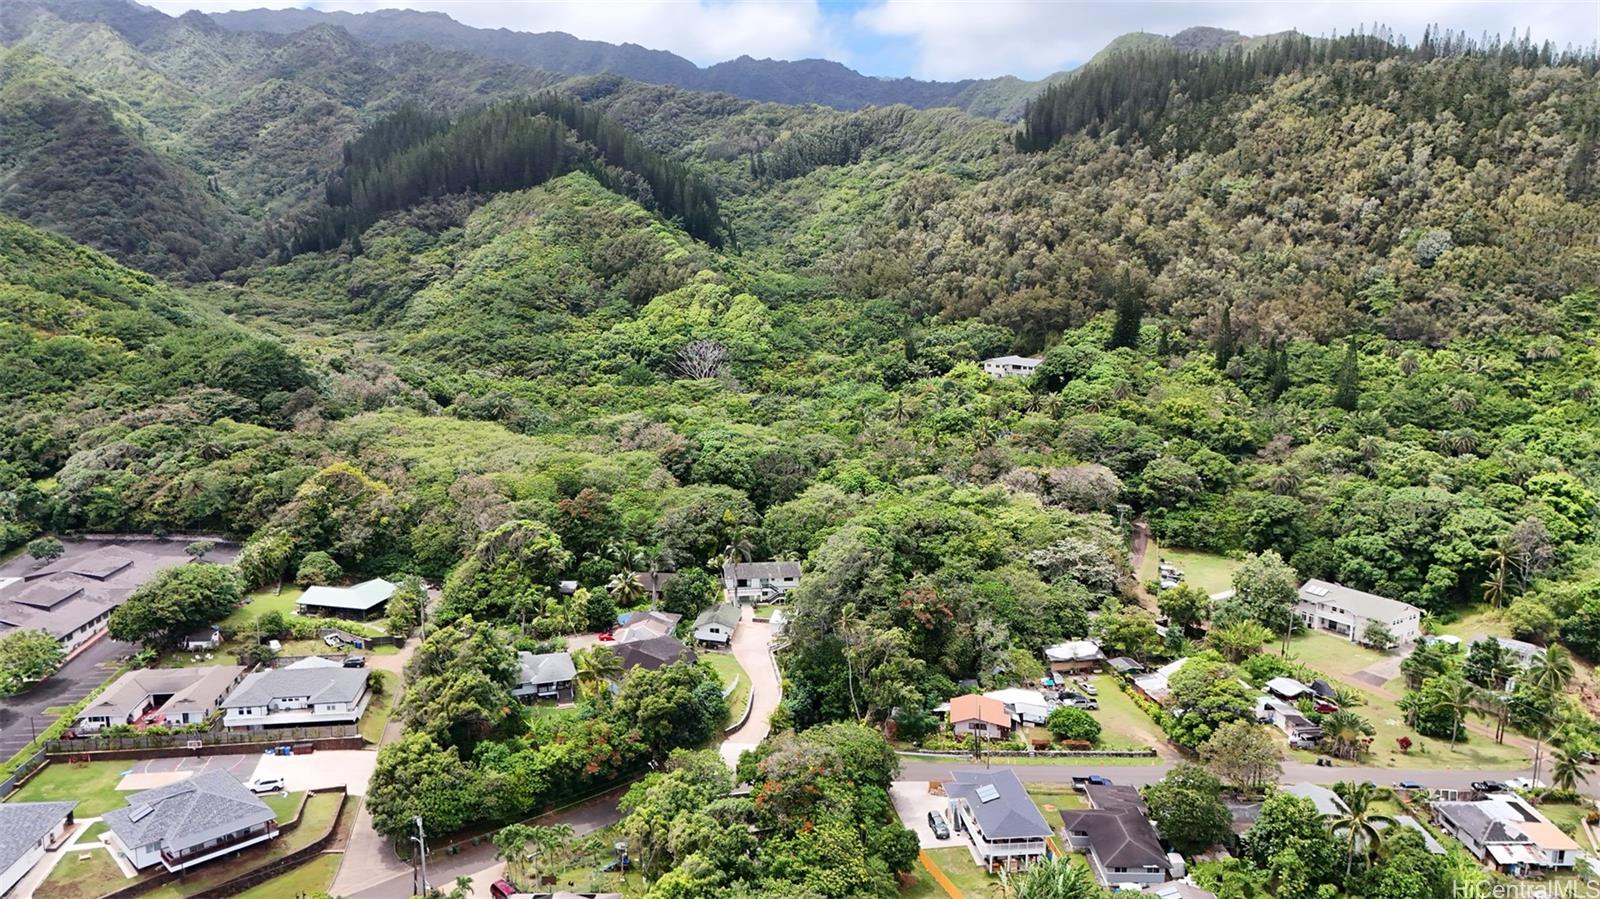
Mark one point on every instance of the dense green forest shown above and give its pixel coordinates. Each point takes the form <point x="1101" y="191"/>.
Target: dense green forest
<point x="426" y="314"/>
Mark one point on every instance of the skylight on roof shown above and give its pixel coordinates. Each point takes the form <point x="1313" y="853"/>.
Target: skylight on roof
<point x="988" y="793"/>
<point x="140" y="813"/>
<point x="1317" y="591"/>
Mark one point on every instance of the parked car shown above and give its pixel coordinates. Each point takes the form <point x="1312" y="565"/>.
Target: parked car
<point x="1523" y="783"/>
<point x="1075" y="701"/>
<point x="1408" y="785"/>
<point x="266" y="785"/>
<point x="1088" y="688"/>
<point x="607" y="636"/>
<point x="936" y="823"/>
<point x="355" y="661"/>
<point x="502" y="889"/>
<point x="1079" y="782"/>
<point x="331" y="640"/>
<point x="1490" y="786"/>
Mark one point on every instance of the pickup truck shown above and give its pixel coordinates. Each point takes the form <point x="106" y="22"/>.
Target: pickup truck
<point x="1089" y="780"/>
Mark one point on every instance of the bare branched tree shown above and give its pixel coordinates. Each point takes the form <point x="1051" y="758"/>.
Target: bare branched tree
<point x="702" y="359"/>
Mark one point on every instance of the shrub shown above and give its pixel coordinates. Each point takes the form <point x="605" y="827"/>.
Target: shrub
<point x="1073" y="724"/>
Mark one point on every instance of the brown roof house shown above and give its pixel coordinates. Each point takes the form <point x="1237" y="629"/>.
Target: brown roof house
<point x="981" y="715"/>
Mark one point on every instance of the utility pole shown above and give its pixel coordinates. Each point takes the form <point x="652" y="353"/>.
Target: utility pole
<point x="421" y="839"/>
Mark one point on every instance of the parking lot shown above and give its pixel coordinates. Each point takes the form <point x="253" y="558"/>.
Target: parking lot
<point x="325" y="770"/>
<point x="913" y="802"/>
<point x="22" y="716"/>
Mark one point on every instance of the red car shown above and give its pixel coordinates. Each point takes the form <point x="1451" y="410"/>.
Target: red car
<point x="606" y="637"/>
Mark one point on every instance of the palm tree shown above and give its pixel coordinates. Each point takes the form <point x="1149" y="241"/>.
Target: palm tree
<point x="625" y="589"/>
<point x="596" y="666"/>
<point x="1460" y="698"/>
<point x="1346" y="730"/>
<point x="1360" y="823"/>
<point x="1566" y="769"/>
<point x="1549" y="672"/>
<point x="1494" y="589"/>
<point x="739" y="549"/>
<point x="548" y="839"/>
<point x="1057" y="878"/>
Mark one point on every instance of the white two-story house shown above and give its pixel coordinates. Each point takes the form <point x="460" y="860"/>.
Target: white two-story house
<point x="312" y="691"/>
<point x="759" y="581"/>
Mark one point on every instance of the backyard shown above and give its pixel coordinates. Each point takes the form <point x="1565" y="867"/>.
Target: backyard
<point x="94" y="785"/>
<point x="1208" y="571"/>
<point x="1123" y="725"/>
<point x="957" y="864"/>
<point x="309" y="879"/>
<point x="82" y="875"/>
<point x="728" y="668"/>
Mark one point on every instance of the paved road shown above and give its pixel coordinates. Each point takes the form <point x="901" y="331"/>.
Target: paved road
<point x="1294" y="772"/>
<point x="478" y="862"/>
<point x="750" y="642"/>
<point x="93" y="664"/>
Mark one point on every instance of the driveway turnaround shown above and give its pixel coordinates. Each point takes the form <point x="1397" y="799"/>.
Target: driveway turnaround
<point x="913" y="802"/>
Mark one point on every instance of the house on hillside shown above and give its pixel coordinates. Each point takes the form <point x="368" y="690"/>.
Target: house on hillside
<point x="361" y="601"/>
<point x="312" y="691"/>
<point x="653" y="583"/>
<point x="1011" y="366"/>
<point x="1287" y="688"/>
<point x="1346" y="612"/>
<point x="189" y="822"/>
<point x="759" y="581"/>
<point x="646" y="625"/>
<point x="171" y="697"/>
<point x="975" y="714"/>
<point x="1155" y="684"/>
<point x="715" y="625"/>
<point x="1298" y="728"/>
<point x="1074" y="657"/>
<point x="27" y="831"/>
<point x="549" y="675"/>
<point x="653" y="652"/>
<point x="1116" y="835"/>
<point x="1003" y="827"/>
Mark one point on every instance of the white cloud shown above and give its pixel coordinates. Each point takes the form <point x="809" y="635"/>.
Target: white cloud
<point x="705" y="31"/>
<point x="1032" y="38"/>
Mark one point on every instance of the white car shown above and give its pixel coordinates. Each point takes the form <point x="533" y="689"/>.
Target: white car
<point x="266" y="785"/>
<point x="333" y="641"/>
<point x="1523" y="783"/>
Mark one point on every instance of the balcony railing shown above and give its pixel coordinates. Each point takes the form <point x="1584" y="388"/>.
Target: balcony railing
<point x="222" y="845"/>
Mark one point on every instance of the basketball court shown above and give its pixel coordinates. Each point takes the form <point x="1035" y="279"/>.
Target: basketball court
<point x="145" y="774"/>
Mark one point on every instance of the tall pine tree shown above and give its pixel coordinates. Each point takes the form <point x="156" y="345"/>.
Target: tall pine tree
<point x="1347" y="386"/>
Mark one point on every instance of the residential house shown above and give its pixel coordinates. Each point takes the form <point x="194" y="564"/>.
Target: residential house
<point x="171" y="697"/>
<point x="361" y="601"/>
<point x="1298" y="728"/>
<point x="1003" y="827"/>
<point x="73" y="597"/>
<point x="1125" y="666"/>
<point x="203" y="639"/>
<point x="1011" y="366"/>
<point x="189" y="822"/>
<point x="1345" y="611"/>
<point x="1410" y="823"/>
<point x="27" y="831"/>
<point x="1116" y="835"/>
<point x="311" y="691"/>
<point x="759" y="581"/>
<point x="549" y="675"/>
<point x="646" y="625"/>
<point x="1177" y="889"/>
<point x="715" y="625"/>
<point x="653" y="652"/>
<point x="1288" y="688"/>
<point x="1024" y="706"/>
<point x="1509" y="834"/>
<point x="975" y="714"/>
<point x="653" y="583"/>
<point x="1519" y="650"/>
<point x="1155" y="685"/>
<point x="1074" y="657"/>
<point x="1326" y="800"/>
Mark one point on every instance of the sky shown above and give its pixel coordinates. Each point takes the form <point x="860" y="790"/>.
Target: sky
<point x="954" y="39"/>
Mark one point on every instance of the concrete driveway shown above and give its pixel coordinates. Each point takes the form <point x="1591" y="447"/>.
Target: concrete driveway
<point x="322" y="770"/>
<point x="749" y="646"/>
<point x="913" y="802"/>
<point x="21" y="716"/>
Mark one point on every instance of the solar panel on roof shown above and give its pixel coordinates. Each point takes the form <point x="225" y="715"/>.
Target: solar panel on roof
<point x="1317" y="591"/>
<point x="988" y="793"/>
<point x="141" y="812"/>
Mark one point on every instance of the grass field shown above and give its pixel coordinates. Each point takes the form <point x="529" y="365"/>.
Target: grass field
<point x="1123" y="725"/>
<point x="263" y="601"/>
<point x="731" y="672"/>
<point x="1567" y="816"/>
<point x="379" y="710"/>
<point x="313" y="877"/>
<point x="918" y="884"/>
<point x="1476" y="621"/>
<point x="1333" y="656"/>
<point x="92" y="835"/>
<point x="1053" y="798"/>
<point x="74" y="879"/>
<point x="283" y="805"/>
<point x="1208" y="571"/>
<point x="957" y="864"/>
<point x="94" y="786"/>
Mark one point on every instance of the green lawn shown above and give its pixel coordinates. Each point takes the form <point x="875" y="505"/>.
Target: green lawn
<point x="74" y="879"/>
<point x="1567" y="816"/>
<point x="264" y="601"/>
<point x="732" y="673"/>
<point x="1123" y="725"/>
<point x="283" y="805"/>
<point x="1333" y="656"/>
<point x="1476" y="621"/>
<point x="919" y="884"/>
<point x="379" y="710"/>
<point x="94" y="786"/>
<point x="92" y="835"/>
<point x="1053" y="798"/>
<point x="313" y="877"/>
<point x="1208" y="571"/>
<point x="957" y="864"/>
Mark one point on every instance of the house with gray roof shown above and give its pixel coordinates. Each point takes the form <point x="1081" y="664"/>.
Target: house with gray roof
<point x="1326" y="800"/>
<point x="73" y="597"/>
<point x="364" y="600"/>
<point x="759" y="581"/>
<point x="27" y="831"/>
<point x="1347" y="612"/>
<point x="311" y="691"/>
<point x="189" y="822"/>
<point x="653" y="653"/>
<point x="715" y="625"/>
<point x="646" y="624"/>
<point x="1117" y="837"/>
<point x="1002" y="826"/>
<point x="548" y="675"/>
<point x="1011" y="366"/>
<point x="170" y="697"/>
